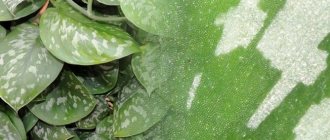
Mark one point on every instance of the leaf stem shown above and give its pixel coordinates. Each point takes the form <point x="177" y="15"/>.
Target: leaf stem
<point x="89" y="13"/>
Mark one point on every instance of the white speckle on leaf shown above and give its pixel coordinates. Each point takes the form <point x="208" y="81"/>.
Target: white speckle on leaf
<point x="193" y="89"/>
<point x="315" y="124"/>
<point x="241" y="24"/>
<point x="291" y="44"/>
<point x="33" y="69"/>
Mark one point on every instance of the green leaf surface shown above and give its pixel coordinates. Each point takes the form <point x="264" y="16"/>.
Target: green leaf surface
<point x="68" y="102"/>
<point x="103" y="130"/>
<point x="109" y="2"/>
<point x="16" y="9"/>
<point x="136" y="111"/>
<point x="247" y="70"/>
<point x="75" y="39"/>
<point x="26" y="67"/>
<point x="100" y="111"/>
<point x="8" y="130"/>
<point x="3" y="32"/>
<point x="98" y="79"/>
<point x="43" y="131"/>
<point x="146" y="67"/>
<point x="17" y="122"/>
<point x="29" y="121"/>
<point x="159" y="17"/>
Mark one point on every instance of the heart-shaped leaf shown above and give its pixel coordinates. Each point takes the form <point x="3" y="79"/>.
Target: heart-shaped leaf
<point x="68" y="102"/>
<point x="76" y="39"/>
<point x="98" y="79"/>
<point x="100" y="111"/>
<point x="16" y="9"/>
<point x="29" y="121"/>
<point x="43" y="131"/>
<point x="26" y="67"/>
<point x="103" y="130"/>
<point x="138" y="111"/>
<point x="8" y="130"/>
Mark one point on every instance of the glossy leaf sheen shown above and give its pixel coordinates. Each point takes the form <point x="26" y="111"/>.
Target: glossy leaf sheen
<point x="98" y="79"/>
<point x="3" y="32"/>
<point x="100" y="111"/>
<point x="76" y="39"/>
<point x="137" y="111"/>
<point x="17" y="122"/>
<point x="109" y="2"/>
<point x="43" y="131"/>
<point x="29" y="121"/>
<point x="8" y="129"/>
<point x="26" y="67"/>
<point x="11" y="9"/>
<point x="68" y="102"/>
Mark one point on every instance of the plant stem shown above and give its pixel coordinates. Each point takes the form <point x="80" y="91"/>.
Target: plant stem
<point x="89" y="13"/>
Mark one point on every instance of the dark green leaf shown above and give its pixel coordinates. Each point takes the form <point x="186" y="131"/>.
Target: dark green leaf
<point x="100" y="111"/>
<point x="8" y="130"/>
<point x="29" y="121"/>
<point x="98" y="79"/>
<point x="136" y="111"/>
<point x="109" y="2"/>
<point x="26" y="67"/>
<point x="68" y="102"/>
<point x="3" y="32"/>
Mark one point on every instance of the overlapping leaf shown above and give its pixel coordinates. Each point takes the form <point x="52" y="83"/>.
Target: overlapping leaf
<point x="16" y="9"/>
<point x="98" y="79"/>
<point x="100" y="111"/>
<point x="155" y="16"/>
<point x="76" y="39"/>
<point x="29" y="121"/>
<point x="68" y="102"/>
<point x="8" y="130"/>
<point x="27" y="68"/>
<point x="43" y="131"/>
<point x="109" y="2"/>
<point x="137" y="111"/>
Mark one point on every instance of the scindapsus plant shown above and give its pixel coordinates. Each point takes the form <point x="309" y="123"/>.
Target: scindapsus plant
<point x="164" y="69"/>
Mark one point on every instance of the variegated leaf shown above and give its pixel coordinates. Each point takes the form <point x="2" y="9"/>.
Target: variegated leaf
<point x="136" y="111"/>
<point x="43" y="131"/>
<point x="98" y="79"/>
<point x="68" y="102"/>
<point x="26" y="67"/>
<point x="12" y="10"/>
<point x="100" y="111"/>
<point x="8" y="130"/>
<point x="76" y="39"/>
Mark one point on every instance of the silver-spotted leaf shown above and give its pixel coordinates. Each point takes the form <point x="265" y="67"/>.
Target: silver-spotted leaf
<point x="159" y="17"/>
<point x="68" y="102"/>
<point x="16" y="9"/>
<point x="98" y="79"/>
<point x="29" y="121"/>
<point x="26" y="67"/>
<point x="3" y="32"/>
<point x="76" y="39"/>
<point x="8" y="130"/>
<point x="145" y="66"/>
<point x="138" y="111"/>
<point x="100" y="111"/>
<point x="17" y="122"/>
<point x="103" y="130"/>
<point x="43" y="131"/>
